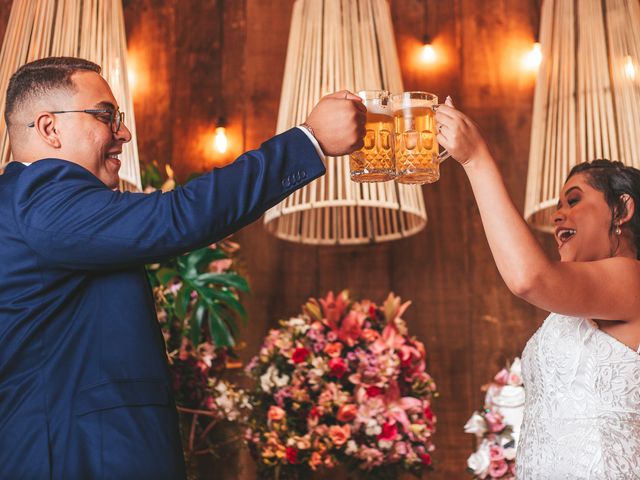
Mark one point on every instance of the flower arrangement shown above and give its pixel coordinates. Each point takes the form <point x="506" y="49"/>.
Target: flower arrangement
<point x="497" y="426"/>
<point x="342" y="384"/>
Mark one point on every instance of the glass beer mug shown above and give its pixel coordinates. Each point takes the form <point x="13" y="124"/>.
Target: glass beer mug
<point x="375" y="161"/>
<point x="416" y="146"/>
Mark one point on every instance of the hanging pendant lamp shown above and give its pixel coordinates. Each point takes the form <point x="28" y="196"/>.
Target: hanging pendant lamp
<point x="336" y="45"/>
<point x="90" y="29"/>
<point x="587" y="97"/>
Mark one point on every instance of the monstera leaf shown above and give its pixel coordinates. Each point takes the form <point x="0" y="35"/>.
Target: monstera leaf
<point x="200" y="299"/>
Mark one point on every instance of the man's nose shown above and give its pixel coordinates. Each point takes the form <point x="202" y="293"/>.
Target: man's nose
<point x="123" y="134"/>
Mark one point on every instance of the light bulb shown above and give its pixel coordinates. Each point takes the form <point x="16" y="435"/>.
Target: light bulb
<point x="629" y="68"/>
<point x="220" y="140"/>
<point x="533" y="58"/>
<point x="428" y="54"/>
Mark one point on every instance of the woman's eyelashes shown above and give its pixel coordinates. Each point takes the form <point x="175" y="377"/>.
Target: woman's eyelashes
<point x="571" y="201"/>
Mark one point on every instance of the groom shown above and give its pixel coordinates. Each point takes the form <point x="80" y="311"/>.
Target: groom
<point x="84" y="386"/>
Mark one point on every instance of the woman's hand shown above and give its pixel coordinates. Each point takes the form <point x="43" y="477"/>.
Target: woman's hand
<point x="459" y="134"/>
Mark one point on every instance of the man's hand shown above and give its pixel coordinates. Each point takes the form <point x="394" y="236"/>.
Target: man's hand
<point x="338" y="123"/>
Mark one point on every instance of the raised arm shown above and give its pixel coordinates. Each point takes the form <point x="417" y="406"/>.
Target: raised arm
<point x="73" y="220"/>
<point x="607" y="288"/>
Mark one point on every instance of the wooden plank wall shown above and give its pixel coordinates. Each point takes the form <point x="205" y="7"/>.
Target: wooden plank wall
<point x="191" y="68"/>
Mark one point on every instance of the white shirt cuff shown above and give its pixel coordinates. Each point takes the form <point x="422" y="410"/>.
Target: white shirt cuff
<point x="315" y="143"/>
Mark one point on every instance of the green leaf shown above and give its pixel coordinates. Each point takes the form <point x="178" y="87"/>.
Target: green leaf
<point x="225" y="297"/>
<point x="200" y="258"/>
<point x="230" y="280"/>
<point x="165" y="275"/>
<point x="229" y="319"/>
<point x="182" y="301"/>
<point x="197" y="319"/>
<point x="220" y="333"/>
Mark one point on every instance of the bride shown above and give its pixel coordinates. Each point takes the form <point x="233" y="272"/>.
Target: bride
<point x="581" y="369"/>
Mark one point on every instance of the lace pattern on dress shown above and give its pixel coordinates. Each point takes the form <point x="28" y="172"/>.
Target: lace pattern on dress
<point x="582" y="407"/>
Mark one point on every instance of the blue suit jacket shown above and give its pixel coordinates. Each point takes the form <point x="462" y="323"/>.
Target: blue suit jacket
<point x="84" y="385"/>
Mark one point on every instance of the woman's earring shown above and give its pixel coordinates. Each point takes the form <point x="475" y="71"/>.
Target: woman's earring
<point x="618" y="230"/>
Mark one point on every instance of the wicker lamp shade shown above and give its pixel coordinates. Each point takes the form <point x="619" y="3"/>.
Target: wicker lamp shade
<point x="335" y="45"/>
<point x="90" y="29"/>
<point x="587" y="98"/>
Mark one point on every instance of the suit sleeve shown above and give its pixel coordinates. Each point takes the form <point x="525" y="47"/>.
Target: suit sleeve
<point x="72" y="220"/>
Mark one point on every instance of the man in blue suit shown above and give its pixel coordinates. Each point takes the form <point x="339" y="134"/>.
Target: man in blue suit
<point x="84" y="385"/>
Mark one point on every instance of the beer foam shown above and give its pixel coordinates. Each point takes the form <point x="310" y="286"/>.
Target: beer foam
<point x="375" y="107"/>
<point x="411" y="103"/>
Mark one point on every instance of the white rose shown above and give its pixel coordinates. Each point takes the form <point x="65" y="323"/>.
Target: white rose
<point x="352" y="447"/>
<point x="510" y="404"/>
<point x="515" y="372"/>
<point x="509" y="396"/>
<point x="509" y="453"/>
<point x="266" y="382"/>
<point x="299" y="324"/>
<point x="271" y="379"/>
<point x="479" y="461"/>
<point x="281" y="381"/>
<point x="476" y="425"/>
<point x="373" y="429"/>
<point x="385" y="444"/>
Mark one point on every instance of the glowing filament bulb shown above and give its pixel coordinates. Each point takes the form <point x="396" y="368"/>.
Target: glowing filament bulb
<point x="428" y="54"/>
<point x="629" y="68"/>
<point x="533" y="59"/>
<point x="220" y="140"/>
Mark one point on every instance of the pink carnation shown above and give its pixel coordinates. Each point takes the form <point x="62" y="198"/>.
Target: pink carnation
<point x="498" y="469"/>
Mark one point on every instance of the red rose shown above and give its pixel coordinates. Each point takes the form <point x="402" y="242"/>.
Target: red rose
<point x="372" y="312"/>
<point x="300" y="354"/>
<point x="373" y="391"/>
<point x="389" y="431"/>
<point x="426" y="458"/>
<point x="338" y="367"/>
<point x="292" y="455"/>
<point x="428" y="414"/>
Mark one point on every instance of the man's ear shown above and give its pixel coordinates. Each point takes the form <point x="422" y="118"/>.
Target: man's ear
<point x="626" y="208"/>
<point x="45" y="126"/>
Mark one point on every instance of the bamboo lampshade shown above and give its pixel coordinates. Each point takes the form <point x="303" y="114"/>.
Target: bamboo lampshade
<point x="91" y="29"/>
<point x="587" y="98"/>
<point x="335" y="45"/>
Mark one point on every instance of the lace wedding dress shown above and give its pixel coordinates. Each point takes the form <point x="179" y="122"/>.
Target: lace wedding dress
<point x="582" y="408"/>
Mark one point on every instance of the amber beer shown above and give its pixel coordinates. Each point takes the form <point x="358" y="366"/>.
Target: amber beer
<point x="375" y="162"/>
<point x="416" y="145"/>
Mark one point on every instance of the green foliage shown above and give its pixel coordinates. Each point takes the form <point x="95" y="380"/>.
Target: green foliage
<point x="203" y="304"/>
<point x="151" y="177"/>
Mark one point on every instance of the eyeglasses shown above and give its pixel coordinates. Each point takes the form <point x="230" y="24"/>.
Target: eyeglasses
<point x="116" y="117"/>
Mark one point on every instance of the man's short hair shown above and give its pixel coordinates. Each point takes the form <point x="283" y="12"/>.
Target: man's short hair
<point x="41" y="77"/>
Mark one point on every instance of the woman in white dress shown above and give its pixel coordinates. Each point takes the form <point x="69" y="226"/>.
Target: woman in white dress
<point x="581" y="369"/>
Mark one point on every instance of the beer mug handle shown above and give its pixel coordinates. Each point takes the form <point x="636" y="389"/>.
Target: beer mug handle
<point x="443" y="155"/>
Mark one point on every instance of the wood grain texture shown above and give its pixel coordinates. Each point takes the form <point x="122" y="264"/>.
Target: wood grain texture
<point x="191" y="72"/>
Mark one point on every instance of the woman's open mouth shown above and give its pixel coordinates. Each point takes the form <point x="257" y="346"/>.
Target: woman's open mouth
<point x="563" y="235"/>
